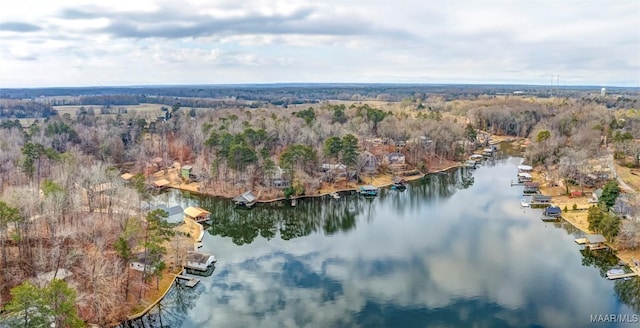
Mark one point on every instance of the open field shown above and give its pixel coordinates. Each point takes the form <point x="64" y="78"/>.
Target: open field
<point x="626" y="174"/>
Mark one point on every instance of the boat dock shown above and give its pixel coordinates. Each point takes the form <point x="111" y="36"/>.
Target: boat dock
<point x="613" y="276"/>
<point x="191" y="282"/>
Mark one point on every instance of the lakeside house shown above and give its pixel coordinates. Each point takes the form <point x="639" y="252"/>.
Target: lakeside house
<point x="367" y="163"/>
<point x="197" y="214"/>
<point x="126" y="176"/>
<point x="247" y="199"/>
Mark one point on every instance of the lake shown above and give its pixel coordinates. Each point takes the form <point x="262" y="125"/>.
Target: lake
<point x="454" y="249"/>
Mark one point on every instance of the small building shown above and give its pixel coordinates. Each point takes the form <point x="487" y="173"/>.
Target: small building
<point x="161" y="184"/>
<point x="185" y="172"/>
<point x="197" y="214"/>
<point x="175" y="212"/>
<point x="553" y="211"/>
<point x="538" y="199"/>
<point x="394" y="158"/>
<point x="595" y="196"/>
<point x="247" y="199"/>
<point x="280" y="183"/>
<point x="201" y="264"/>
<point x="199" y="261"/>
<point x="141" y="261"/>
<point x="326" y="167"/>
<point x="531" y="187"/>
<point x="487" y="152"/>
<point x="126" y="176"/>
<point x="594" y="242"/>
<point x="524" y="169"/>
<point x="524" y="177"/>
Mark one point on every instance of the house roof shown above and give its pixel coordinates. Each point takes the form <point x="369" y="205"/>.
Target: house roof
<point x="525" y="168"/>
<point x="195" y="212"/>
<point x="592" y="239"/>
<point x="597" y="192"/>
<point x="524" y="175"/>
<point x="126" y="176"/>
<point x="246" y="197"/>
<point x="541" y="197"/>
<point x="553" y="209"/>
<point x="531" y="184"/>
<point x="161" y="183"/>
<point x="187" y="167"/>
<point x="198" y="257"/>
<point x="369" y="187"/>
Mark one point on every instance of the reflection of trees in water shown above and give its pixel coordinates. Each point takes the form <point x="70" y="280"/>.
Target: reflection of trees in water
<point x="628" y="291"/>
<point x="602" y="259"/>
<point x="266" y="220"/>
<point x="170" y="312"/>
<point x="321" y="213"/>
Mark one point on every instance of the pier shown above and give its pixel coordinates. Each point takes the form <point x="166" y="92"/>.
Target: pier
<point x="190" y="282"/>
<point x="621" y="275"/>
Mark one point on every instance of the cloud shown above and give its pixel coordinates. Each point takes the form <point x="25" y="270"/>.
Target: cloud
<point x="19" y="27"/>
<point x="331" y="41"/>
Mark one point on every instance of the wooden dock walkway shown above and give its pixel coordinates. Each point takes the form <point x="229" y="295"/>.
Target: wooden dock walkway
<point x="191" y="282"/>
<point x="621" y="275"/>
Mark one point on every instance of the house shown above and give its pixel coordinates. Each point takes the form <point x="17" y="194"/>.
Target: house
<point x="394" y="158"/>
<point x="595" y="196"/>
<point x="622" y="208"/>
<point x="333" y="167"/>
<point x="140" y="260"/>
<point x="367" y="163"/>
<point x="247" y="199"/>
<point x="197" y="214"/>
<point x="594" y="242"/>
<point x="280" y="183"/>
<point x="175" y="212"/>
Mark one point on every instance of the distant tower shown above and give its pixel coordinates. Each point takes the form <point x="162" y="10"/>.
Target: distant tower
<point x="603" y="91"/>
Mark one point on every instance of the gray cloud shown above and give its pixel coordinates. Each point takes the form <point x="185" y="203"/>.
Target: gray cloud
<point x="19" y="27"/>
<point x="169" y="24"/>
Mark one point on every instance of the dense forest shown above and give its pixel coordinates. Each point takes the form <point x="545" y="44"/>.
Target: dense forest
<point x="64" y="205"/>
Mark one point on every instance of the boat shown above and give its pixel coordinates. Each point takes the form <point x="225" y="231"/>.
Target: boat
<point x="368" y="190"/>
<point x="470" y="164"/>
<point x="398" y="184"/>
<point x="334" y="195"/>
<point x="525" y="203"/>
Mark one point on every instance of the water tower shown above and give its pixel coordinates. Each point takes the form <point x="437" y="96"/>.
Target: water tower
<point x="603" y="91"/>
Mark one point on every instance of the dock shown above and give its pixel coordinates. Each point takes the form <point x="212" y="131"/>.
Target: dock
<point x="581" y="241"/>
<point x="191" y="282"/>
<point x="621" y="275"/>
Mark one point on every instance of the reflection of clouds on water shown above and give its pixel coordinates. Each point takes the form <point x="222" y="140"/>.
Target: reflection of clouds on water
<point x="472" y="258"/>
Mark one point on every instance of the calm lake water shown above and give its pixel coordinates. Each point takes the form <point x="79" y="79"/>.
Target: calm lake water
<point x="453" y="250"/>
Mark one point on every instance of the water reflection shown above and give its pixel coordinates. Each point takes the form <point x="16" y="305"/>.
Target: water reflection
<point x="454" y="249"/>
<point x="171" y="312"/>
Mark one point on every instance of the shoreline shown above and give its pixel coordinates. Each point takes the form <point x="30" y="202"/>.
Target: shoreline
<point x="181" y="187"/>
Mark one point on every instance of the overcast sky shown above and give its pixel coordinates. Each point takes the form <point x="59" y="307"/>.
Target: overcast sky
<point x="131" y="42"/>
